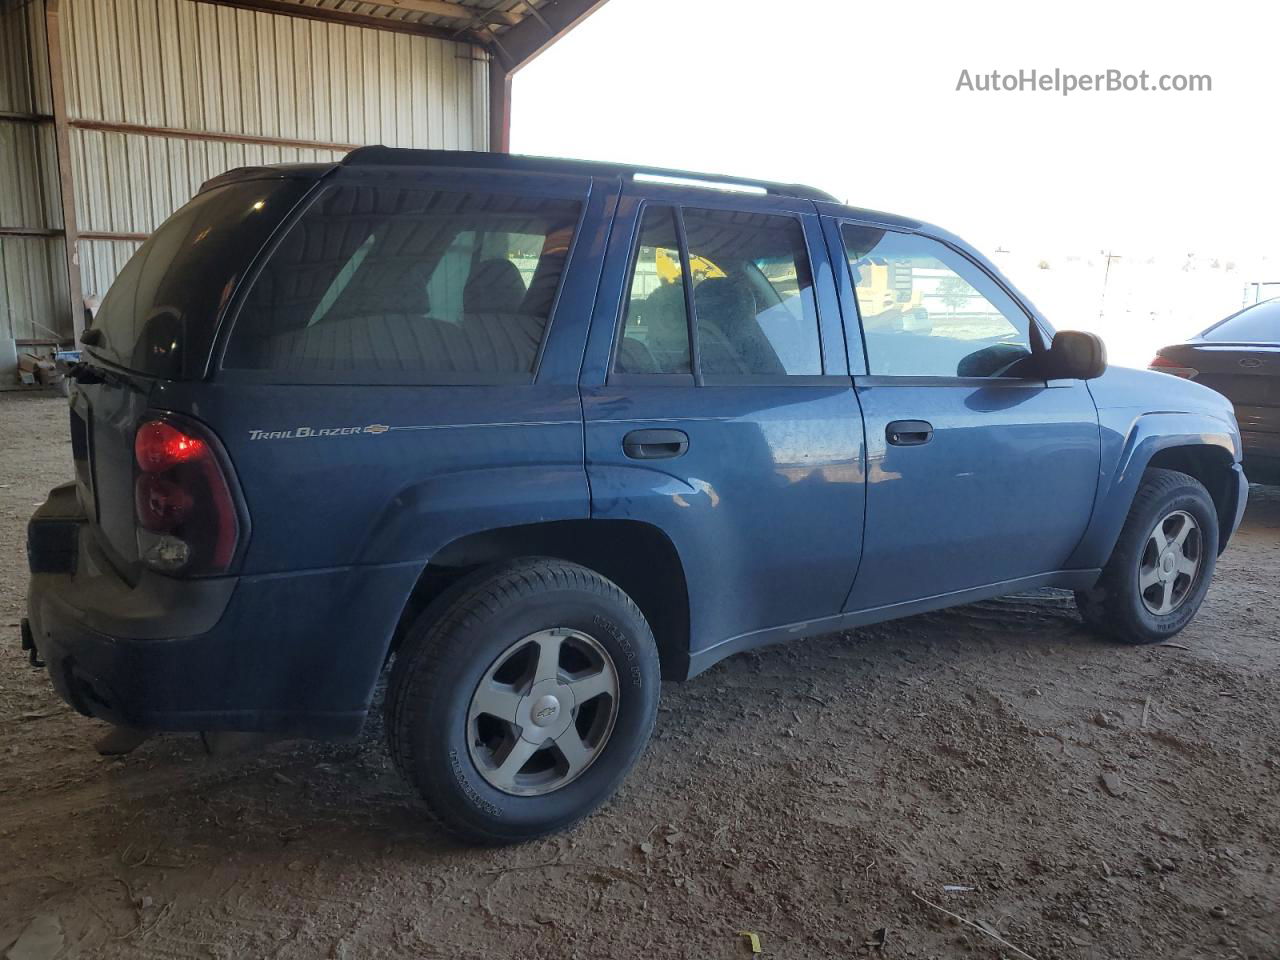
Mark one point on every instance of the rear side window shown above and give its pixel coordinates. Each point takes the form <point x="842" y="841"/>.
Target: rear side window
<point x="753" y="298"/>
<point x="160" y="315"/>
<point x="655" y="332"/>
<point x="395" y="284"/>
<point x="1257" y="324"/>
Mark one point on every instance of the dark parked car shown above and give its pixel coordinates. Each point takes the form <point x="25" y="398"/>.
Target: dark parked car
<point x="1240" y="358"/>
<point x="542" y="432"/>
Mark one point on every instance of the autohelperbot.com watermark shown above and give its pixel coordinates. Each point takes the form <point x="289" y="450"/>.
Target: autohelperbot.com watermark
<point x="1065" y="83"/>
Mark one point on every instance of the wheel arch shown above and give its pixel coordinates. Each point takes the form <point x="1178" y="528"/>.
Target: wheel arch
<point x="1212" y="466"/>
<point x="637" y="556"/>
<point x="1198" y="445"/>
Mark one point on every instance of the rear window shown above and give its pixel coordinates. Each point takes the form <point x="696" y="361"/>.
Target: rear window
<point x="389" y="284"/>
<point x="1257" y="324"/>
<point x="160" y="315"/>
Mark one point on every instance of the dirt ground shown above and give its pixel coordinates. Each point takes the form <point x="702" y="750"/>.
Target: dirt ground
<point x="1089" y="800"/>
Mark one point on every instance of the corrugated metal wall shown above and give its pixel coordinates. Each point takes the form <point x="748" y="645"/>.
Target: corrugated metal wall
<point x="33" y="280"/>
<point x="184" y="65"/>
<point x="158" y="91"/>
<point x="179" y="64"/>
<point x="129" y="183"/>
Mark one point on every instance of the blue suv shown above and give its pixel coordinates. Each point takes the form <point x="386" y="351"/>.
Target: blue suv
<point x="539" y="433"/>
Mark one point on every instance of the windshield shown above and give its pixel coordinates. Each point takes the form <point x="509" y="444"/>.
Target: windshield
<point x="160" y="315"/>
<point x="1256" y="324"/>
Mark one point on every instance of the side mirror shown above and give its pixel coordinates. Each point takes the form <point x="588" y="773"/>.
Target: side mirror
<point x="1075" y="355"/>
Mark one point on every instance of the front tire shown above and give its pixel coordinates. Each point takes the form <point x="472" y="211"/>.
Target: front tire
<point x="519" y="703"/>
<point x="1159" y="572"/>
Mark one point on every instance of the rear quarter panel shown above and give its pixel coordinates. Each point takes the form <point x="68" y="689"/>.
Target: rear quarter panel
<point x="336" y="476"/>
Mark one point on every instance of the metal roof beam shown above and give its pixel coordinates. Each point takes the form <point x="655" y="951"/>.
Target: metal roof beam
<point x="288" y="8"/>
<point x="53" y="14"/>
<point x="453" y="11"/>
<point x="544" y="25"/>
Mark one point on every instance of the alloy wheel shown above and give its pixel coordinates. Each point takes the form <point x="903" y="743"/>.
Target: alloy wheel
<point x="543" y="712"/>
<point x="1170" y="564"/>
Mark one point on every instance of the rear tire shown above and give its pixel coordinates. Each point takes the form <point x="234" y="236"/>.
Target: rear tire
<point x="519" y="702"/>
<point x="1162" y="564"/>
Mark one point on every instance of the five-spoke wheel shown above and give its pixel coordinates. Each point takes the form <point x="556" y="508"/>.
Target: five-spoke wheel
<point x="543" y="712"/>
<point x="1170" y="562"/>
<point x="1163" y="560"/>
<point x="521" y="698"/>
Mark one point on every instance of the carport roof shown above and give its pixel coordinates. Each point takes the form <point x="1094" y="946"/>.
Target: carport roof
<point x="448" y="14"/>
<point x="514" y="30"/>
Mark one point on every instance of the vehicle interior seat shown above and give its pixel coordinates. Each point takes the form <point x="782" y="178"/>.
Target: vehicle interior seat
<point x="730" y="338"/>
<point x="667" y="320"/>
<point x="388" y="328"/>
<point x="494" y="286"/>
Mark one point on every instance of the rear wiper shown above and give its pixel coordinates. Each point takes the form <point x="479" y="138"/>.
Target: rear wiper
<point x="85" y="373"/>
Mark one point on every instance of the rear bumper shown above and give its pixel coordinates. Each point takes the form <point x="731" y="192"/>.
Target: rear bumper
<point x="294" y="653"/>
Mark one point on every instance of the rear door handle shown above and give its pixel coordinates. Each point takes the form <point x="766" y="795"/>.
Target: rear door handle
<point x="655" y="444"/>
<point x="908" y="433"/>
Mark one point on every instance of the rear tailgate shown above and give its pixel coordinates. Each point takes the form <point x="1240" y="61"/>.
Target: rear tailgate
<point x="158" y="323"/>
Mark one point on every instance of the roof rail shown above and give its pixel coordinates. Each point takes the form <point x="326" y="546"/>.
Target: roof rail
<point x="397" y="156"/>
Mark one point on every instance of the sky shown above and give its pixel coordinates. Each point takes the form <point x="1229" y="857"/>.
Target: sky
<point x="861" y="99"/>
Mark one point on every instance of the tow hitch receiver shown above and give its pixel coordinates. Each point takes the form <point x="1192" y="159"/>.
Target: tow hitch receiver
<point x="29" y="644"/>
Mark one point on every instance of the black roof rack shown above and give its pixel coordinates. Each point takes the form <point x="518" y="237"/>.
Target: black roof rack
<point x="396" y="156"/>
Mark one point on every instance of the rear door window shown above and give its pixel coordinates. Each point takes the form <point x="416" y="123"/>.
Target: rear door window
<point x="396" y="284"/>
<point x="753" y="298"/>
<point x="655" y="330"/>
<point x="160" y="315"/>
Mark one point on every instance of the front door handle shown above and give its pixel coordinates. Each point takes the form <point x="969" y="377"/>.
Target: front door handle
<point x="655" y="444"/>
<point x="908" y="433"/>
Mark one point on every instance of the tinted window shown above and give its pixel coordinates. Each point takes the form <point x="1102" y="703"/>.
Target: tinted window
<point x="928" y="312"/>
<point x="655" y="332"/>
<point x="753" y="294"/>
<point x="395" y="284"/>
<point x="160" y="315"/>
<point x="1257" y="324"/>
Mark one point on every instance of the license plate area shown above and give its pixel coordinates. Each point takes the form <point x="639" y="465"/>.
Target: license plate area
<point x="53" y="546"/>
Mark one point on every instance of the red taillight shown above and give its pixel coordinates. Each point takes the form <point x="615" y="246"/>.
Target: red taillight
<point x="161" y="503"/>
<point x="160" y="446"/>
<point x="1165" y="365"/>
<point x="186" y="514"/>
